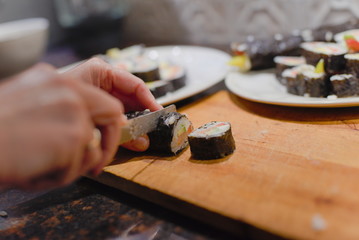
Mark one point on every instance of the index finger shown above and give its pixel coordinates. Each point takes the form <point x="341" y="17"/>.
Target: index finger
<point x="130" y="89"/>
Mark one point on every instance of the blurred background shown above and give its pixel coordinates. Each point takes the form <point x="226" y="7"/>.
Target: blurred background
<point x="87" y="27"/>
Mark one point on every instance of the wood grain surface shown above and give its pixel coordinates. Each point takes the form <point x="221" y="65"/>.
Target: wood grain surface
<point x="295" y="172"/>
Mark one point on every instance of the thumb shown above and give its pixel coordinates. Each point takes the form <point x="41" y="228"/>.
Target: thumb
<point x="139" y="144"/>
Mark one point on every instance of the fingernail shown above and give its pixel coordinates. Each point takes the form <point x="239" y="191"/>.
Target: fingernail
<point x="123" y="119"/>
<point x="141" y="144"/>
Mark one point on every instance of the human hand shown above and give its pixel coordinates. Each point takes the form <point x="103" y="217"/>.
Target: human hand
<point x="127" y="88"/>
<point x="46" y="123"/>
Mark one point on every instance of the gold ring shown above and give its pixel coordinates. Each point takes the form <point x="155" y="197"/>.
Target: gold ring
<point x="96" y="139"/>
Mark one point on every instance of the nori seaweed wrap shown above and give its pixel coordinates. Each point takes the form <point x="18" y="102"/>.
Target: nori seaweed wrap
<point x="212" y="140"/>
<point x="345" y="85"/>
<point x="171" y="135"/>
<point x="173" y="77"/>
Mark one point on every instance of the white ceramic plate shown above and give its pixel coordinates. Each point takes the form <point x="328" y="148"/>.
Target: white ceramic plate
<point x="204" y="68"/>
<point x="263" y="87"/>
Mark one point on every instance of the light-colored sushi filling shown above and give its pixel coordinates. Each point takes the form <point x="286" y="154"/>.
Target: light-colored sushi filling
<point x="353" y="56"/>
<point x="156" y="84"/>
<point x="312" y="75"/>
<point x="170" y="71"/>
<point x="212" y="129"/>
<point x="293" y="72"/>
<point x="180" y="134"/>
<point x="324" y="48"/>
<point x="289" y="61"/>
<point x="341" y="77"/>
<point x="137" y="64"/>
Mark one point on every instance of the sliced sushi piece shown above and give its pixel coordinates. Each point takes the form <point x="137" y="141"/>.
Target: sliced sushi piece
<point x="315" y="83"/>
<point x="173" y="73"/>
<point x="212" y="140"/>
<point x="341" y="37"/>
<point x="332" y="53"/>
<point x="345" y="85"/>
<point x="172" y="78"/>
<point x="285" y="62"/>
<point x="171" y="134"/>
<point x="160" y="88"/>
<point x="352" y="63"/>
<point x="295" y="84"/>
<point x="142" y="67"/>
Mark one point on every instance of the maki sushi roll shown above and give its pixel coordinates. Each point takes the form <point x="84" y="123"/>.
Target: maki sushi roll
<point x="160" y="88"/>
<point x="332" y="53"/>
<point x="142" y="67"/>
<point x="172" y="78"/>
<point x="352" y="63"/>
<point x="174" y="74"/>
<point x="344" y="85"/>
<point x="296" y="85"/>
<point x="285" y="62"/>
<point x="171" y="135"/>
<point x="212" y="140"/>
<point x="315" y="83"/>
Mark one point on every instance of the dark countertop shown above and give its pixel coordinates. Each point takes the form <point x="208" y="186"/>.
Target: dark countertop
<point x="89" y="210"/>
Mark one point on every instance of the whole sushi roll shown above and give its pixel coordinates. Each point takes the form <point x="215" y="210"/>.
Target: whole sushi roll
<point x="332" y="53"/>
<point x="171" y="135"/>
<point x="255" y="54"/>
<point x="344" y="85"/>
<point x="285" y="62"/>
<point x="212" y="141"/>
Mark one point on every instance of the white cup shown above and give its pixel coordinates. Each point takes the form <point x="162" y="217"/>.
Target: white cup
<point x="22" y="44"/>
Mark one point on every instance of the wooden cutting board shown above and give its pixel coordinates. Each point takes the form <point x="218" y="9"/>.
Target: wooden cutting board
<point x="295" y="171"/>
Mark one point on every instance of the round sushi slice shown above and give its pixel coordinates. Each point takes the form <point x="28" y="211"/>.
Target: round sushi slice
<point x="285" y="62"/>
<point x="344" y="85"/>
<point x="352" y="63"/>
<point x="315" y="83"/>
<point x="174" y="74"/>
<point x="160" y="88"/>
<point x="295" y="84"/>
<point x="142" y="67"/>
<point x="171" y="135"/>
<point x="212" y="140"/>
<point x="332" y="53"/>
